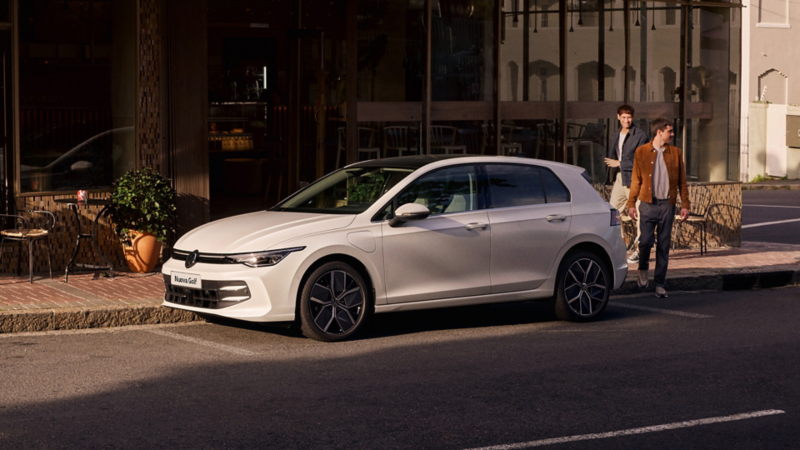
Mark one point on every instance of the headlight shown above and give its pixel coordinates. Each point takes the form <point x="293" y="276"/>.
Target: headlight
<point x="262" y="259"/>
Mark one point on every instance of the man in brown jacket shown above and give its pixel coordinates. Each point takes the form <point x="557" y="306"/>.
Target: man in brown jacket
<point x="658" y="177"/>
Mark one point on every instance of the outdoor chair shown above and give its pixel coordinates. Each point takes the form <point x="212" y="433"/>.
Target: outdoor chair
<point x="366" y="139"/>
<point x="700" y="198"/>
<point x="401" y="139"/>
<point x="29" y="227"/>
<point x="444" y="138"/>
<point x="473" y="139"/>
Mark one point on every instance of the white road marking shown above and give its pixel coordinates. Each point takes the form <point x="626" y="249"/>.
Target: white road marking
<point x="223" y="347"/>
<point x="775" y="206"/>
<point x="763" y="224"/>
<point x="659" y="310"/>
<point x="632" y="431"/>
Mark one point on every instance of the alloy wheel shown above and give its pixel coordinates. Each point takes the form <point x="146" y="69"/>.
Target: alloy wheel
<point x="585" y="287"/>
<point x="336" y="302"/>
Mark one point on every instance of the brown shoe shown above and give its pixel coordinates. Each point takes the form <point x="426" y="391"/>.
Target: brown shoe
<point x="661" y="292"/>
<point x="642" y="279"/>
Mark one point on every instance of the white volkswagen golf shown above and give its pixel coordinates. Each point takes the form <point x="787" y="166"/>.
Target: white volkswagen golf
<point x="407" y="233"/>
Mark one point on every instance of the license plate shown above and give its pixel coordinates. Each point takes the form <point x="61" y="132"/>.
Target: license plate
<point x="189" y="280"/>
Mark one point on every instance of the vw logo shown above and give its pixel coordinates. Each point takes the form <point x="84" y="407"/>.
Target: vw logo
<point x="191" y="258"/>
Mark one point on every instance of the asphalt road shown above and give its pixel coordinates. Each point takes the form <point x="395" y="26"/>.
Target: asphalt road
<point x="759" y="207"/>
<point x="447" y="379"/>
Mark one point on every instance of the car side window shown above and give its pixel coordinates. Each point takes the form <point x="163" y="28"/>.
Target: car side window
<point x="449" y="190"/>
<point x="514" y="185"/>
<point x="554" y="189"/>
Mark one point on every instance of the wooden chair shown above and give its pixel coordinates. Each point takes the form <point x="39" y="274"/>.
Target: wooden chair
<point x="29" y="227"/>
<point x="510" y="147"/>
<point x="700" y="198"/>
<point x="473" y="139"/>
<point x="366" y="139"/>
<point x="401" y="139"/>
<point x="444" y="138"/>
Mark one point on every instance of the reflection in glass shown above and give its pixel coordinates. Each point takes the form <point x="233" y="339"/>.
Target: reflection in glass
<point x="462" y="60"/>
<point x="346" y="191"/>
<point x="77" y="101"/>
<point x="390" y="50"/>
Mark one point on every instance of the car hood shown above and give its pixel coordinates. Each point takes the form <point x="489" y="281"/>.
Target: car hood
<point x="258" y="231"/>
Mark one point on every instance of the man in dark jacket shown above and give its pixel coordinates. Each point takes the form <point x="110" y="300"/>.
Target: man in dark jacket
<point x="620" y="156"/>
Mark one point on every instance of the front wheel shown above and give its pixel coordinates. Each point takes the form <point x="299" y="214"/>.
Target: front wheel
<point x="582" y="288"/>
<point x="334" y="303"/>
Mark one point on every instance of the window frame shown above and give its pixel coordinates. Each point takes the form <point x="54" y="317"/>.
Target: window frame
<point x="488" y="194"/>
<point x="480" y="179"/>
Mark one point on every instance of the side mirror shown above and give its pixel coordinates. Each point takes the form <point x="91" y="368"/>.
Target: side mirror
<point x="408" y="212"/>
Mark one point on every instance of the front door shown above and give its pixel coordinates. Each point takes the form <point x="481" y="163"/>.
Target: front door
<point x="446" y="255"/>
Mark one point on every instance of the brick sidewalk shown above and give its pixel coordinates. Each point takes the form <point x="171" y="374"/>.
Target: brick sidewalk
<point x="82" y="291"/>
<point x="751" y="255"/>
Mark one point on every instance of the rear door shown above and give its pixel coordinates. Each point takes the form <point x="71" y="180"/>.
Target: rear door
<point x="530" y="216"/>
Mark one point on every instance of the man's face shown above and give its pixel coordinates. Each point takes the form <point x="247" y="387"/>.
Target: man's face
<point x="667" y="134"/>
<point x="625" y="120"/>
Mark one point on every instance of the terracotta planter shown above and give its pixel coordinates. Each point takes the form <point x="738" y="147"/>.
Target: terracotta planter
<point x="143" y="253"/>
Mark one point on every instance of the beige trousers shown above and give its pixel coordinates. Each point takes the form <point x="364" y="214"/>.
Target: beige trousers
<point x="619" y="200"/>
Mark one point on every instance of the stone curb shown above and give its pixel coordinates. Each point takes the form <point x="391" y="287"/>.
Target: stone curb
<point x="754" y="279"/>
<point x="82" y="318"/>
<point x="770" y="187"/>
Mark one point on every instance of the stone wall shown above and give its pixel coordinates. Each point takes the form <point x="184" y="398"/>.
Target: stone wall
<point x="724" y="226"/>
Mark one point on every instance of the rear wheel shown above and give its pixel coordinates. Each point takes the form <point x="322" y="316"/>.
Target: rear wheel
<point x="334" y="302"/>
<point x="582" y="287"/>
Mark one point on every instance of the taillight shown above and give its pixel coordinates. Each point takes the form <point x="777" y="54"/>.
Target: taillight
<point x="615" y="221"/>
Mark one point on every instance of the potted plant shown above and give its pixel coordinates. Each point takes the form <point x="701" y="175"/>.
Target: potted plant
<point x="142" y="206"/>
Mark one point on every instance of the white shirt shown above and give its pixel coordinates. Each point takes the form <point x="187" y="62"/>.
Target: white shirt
<point x="619" y="147"/>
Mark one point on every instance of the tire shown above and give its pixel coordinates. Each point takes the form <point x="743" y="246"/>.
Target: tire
<point x="333" y="287"/>
<point x="582" y="287"/>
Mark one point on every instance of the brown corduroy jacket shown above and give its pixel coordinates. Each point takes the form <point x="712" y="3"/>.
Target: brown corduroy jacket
<point x="642" y="178"/>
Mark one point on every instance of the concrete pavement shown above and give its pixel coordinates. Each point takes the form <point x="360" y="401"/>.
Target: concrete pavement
<point x="92" y="301"/>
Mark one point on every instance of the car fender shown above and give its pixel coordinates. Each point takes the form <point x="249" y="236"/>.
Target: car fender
<point x="571" y="243"/>
<point x="332" y="247"/>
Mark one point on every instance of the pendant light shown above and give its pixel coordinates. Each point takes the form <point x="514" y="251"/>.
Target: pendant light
<point x="653" y="27"/>
<point x="611" y="17"/>
<point x="637" y="16"/>
<point x="580" y="13"/>
<point x="571" y="29"/>
<point x="535" y="19"/>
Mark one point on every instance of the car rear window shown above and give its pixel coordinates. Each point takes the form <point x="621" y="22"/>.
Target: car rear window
<point x="514" y="185"/>
<point x="554" y="189"/>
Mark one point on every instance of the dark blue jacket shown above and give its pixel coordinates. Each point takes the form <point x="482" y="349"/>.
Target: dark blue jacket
<point x="633" y="140"/>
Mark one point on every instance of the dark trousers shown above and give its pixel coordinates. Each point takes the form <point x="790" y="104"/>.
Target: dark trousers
<point x="656" y="217"/>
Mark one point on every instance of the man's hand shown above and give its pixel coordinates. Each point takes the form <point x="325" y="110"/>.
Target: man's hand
<point x="632" y="213"/>
<point x="612" y="162"/>
<point x="684" y="214"/>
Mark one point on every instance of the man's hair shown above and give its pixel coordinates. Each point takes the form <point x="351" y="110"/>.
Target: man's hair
<point x="625" y="109"/>
<point x="659" y="124"/>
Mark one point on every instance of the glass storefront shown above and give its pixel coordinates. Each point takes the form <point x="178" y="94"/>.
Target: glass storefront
<point x="77" y="78"/>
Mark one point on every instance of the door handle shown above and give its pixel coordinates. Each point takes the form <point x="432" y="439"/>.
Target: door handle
<point x="477" y="226"/>
<point x="556" y="218"/>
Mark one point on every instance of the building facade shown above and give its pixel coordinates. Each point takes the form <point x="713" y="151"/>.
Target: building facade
<point x="770" y="97"/>
<point x="241" y="102"/>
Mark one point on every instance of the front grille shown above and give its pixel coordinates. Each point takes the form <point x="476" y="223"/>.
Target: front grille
<point x="212" y="295"/>
<point x="205" y="258"/>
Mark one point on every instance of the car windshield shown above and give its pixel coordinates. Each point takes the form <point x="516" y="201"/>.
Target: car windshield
<point x="347" y="191"/>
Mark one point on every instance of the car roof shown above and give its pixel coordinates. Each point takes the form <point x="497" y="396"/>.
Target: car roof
<point x="406" y="162"/>
<point x="418" y="161"/>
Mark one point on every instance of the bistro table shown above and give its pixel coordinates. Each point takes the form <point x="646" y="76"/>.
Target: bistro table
<point x="92" y="236"/>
